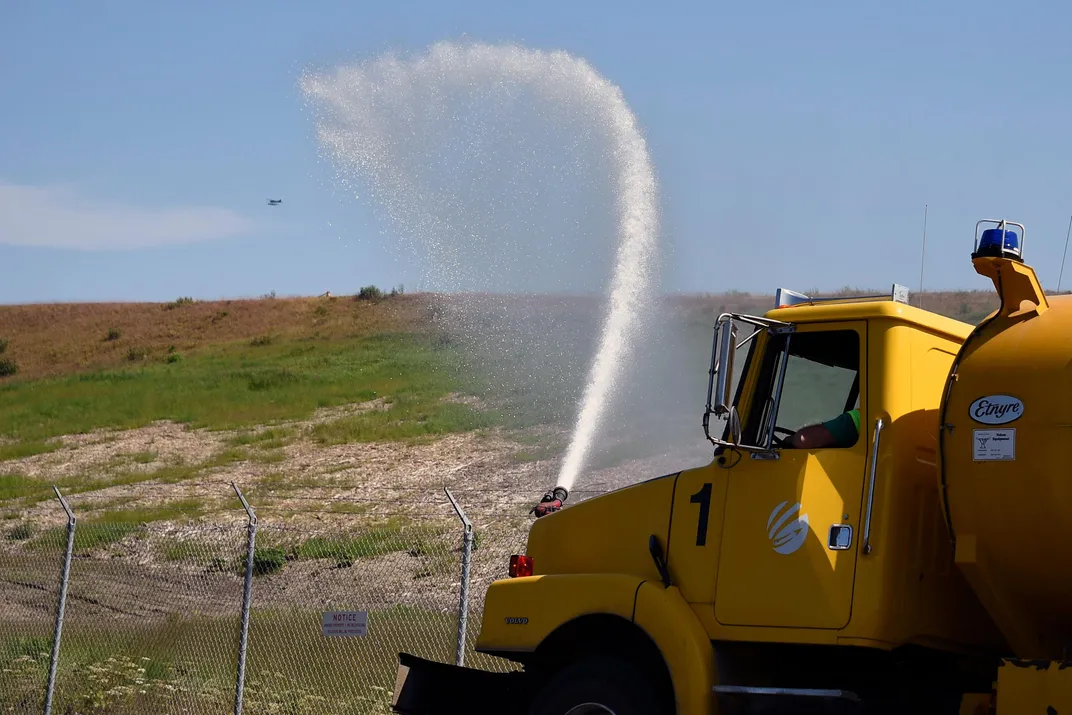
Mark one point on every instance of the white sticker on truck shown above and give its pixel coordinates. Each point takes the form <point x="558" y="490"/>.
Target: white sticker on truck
<point x="994" y="445"/>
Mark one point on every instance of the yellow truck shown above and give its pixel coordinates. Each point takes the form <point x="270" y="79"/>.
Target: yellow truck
<point x="918" y="563"/>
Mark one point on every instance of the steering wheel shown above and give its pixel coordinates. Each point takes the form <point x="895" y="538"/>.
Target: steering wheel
<point x="784" y="441"/>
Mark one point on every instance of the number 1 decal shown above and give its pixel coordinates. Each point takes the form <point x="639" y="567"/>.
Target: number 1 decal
<point x="703" y="498"/>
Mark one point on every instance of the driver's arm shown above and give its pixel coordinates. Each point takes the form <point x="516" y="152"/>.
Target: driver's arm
<point x="812" y="437"/>
<point x="838" y="432"/>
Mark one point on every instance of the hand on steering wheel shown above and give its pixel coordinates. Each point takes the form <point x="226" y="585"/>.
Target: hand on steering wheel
<point x="784" y="441"/>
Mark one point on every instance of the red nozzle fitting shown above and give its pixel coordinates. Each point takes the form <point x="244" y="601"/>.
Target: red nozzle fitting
<point x="552" y="501"/>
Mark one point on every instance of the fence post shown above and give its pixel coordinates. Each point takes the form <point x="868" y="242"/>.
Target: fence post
<point x="54" y="660"/>
<point x="247" y="595"/>
<point x="463" y="603"/>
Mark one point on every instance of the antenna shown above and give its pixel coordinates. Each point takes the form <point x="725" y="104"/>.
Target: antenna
<point x="922" y="254"/>
<point x="1062" y="275"/>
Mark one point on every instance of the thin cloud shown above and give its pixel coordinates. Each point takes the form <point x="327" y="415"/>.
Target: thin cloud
<point x="61" y="217"/>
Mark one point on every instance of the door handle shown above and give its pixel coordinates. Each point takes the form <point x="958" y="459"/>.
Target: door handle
<point x="871" y="485"/>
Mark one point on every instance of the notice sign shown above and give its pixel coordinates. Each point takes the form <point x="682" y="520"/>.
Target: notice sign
<point x="994" y="445"/>
<point x="344" y="623"/>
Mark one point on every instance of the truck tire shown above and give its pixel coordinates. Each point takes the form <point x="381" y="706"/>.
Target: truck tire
<point x="601" y="686"/>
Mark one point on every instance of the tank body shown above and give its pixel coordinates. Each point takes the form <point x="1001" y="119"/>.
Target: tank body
<point x="1006" y="461"/>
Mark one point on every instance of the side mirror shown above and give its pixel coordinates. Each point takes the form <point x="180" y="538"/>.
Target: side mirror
<point x="720" y="383"/>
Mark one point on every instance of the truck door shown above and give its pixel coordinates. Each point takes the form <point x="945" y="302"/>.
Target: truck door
<point x="792" y="519"/>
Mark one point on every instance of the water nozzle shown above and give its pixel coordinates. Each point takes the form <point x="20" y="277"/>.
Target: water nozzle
<point x="552" y="501"/>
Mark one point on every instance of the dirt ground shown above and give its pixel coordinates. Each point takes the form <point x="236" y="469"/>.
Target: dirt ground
<point x="300" y="490"/>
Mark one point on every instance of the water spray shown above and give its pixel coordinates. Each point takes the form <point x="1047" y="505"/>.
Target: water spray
<point x="422" y="132"/>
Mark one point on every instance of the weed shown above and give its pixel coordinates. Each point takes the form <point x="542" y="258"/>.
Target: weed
<point x="173" y="358"/>
<point x="136" y="353"/>
<point x="8" y="367"/>
<point x="21" y="532"/>
<point x="321" y="310"/>
<point x="113" y="335"/>
<point x="3" y="345"/>
<point x="260" y="341"/>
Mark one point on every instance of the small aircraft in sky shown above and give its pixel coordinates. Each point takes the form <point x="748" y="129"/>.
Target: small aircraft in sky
<point x="274" y="202"/>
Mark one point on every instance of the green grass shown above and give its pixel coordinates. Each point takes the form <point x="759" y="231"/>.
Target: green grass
<point x="232" y="386"/>
<point x="14" y="485"/>
<point x="410" y="418"/>
<point x="272" y="438"/>
<point x="143" y="457"/>
<point x="109" y="526"/>
<point x="389" y="536"/>
<point x="345" y="507"/>
<point x="21" y="450"/>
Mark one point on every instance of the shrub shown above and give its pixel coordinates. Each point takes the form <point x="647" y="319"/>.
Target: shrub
<point x="397" y="291"/>
<point x="266" y="560"/>
<point x="3" y="346"/>
<point x="179" y="302"/>
<point x="370" y="293"/>
<point x="8" y="367"/>
<point x="113" y="335"/>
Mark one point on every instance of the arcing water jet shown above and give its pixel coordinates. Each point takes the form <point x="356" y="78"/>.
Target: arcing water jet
<point x="432" y="138"/>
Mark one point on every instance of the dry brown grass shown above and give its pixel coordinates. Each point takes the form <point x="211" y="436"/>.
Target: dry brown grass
<point x="53" y="339"/>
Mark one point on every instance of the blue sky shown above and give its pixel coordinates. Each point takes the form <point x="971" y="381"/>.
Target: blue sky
<point x="796" y="143"/>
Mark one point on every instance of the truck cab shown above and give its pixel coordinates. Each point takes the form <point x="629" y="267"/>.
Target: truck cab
<point x="776" y="575"/>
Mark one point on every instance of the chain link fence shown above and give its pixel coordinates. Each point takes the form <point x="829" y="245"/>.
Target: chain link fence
<point x="186" y="617"/>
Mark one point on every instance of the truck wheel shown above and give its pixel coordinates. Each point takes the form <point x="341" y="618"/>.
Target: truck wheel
<point x="600" y="686"/>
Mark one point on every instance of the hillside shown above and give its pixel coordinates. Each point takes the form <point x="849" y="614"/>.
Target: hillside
<point x="48" y="340"/>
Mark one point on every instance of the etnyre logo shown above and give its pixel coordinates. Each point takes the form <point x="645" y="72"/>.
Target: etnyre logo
<point x="786" y="533"/>
<point x="996" y="409"/>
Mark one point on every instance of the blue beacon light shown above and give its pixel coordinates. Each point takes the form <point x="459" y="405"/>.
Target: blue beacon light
<point x="990" y="243"/>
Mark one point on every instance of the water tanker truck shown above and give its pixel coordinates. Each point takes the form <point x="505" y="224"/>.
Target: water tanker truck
<point x="920" y="562"/>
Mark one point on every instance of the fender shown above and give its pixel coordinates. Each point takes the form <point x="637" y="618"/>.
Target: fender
<point x="668" y="620"/>
<point x="519" y="613"/>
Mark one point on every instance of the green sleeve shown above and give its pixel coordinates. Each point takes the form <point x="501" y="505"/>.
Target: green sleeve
<point x="843" y="428"/>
